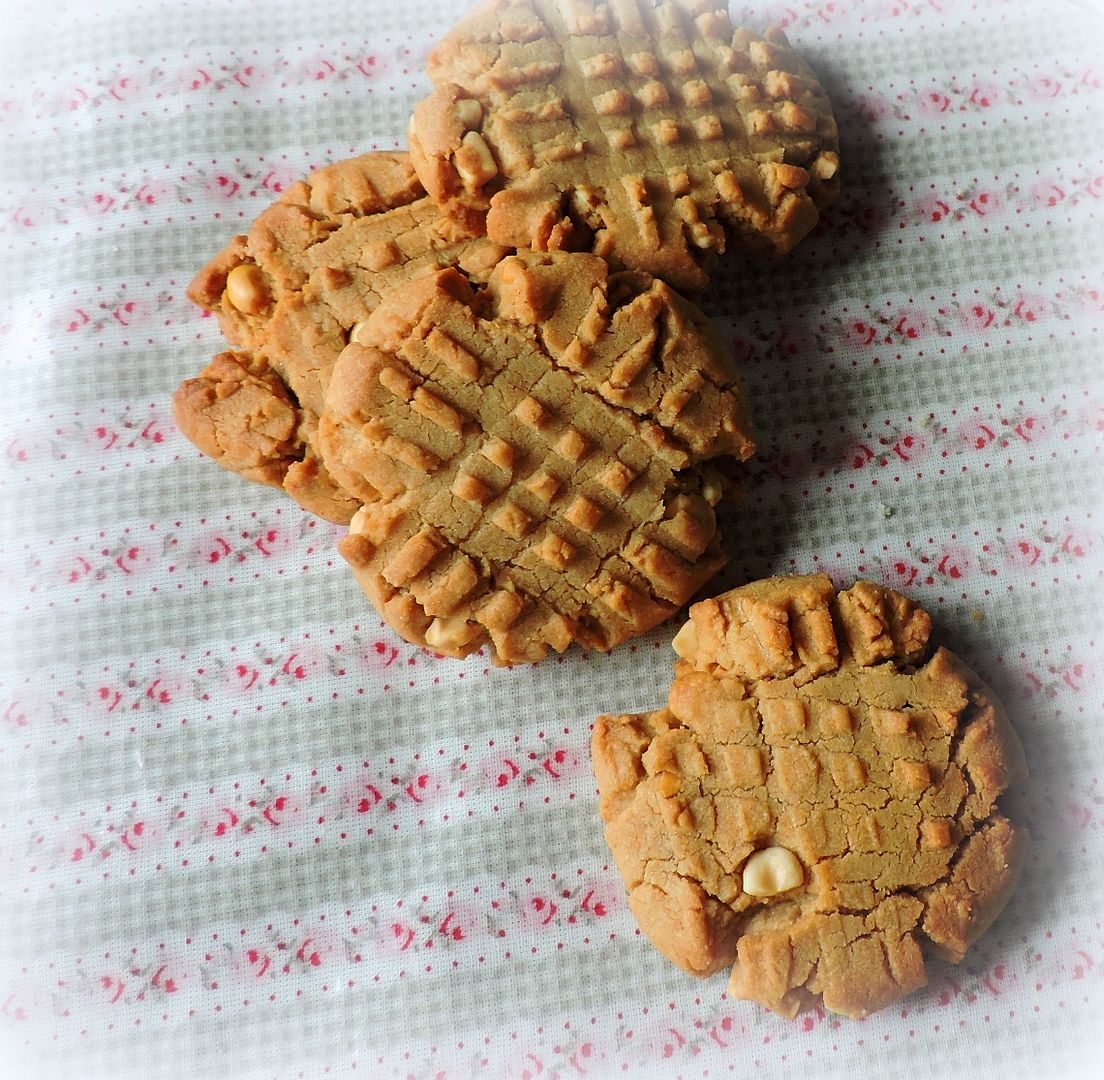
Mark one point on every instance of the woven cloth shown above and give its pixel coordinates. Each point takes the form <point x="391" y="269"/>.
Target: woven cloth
<point x="246" y="831"/>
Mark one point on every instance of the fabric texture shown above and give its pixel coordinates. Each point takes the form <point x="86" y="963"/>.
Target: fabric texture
<point x="246" y="831"/>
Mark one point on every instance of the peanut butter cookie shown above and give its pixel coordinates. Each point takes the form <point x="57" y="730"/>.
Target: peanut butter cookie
<point x="290" y="295"/>
<point x="646" y="131"/>
<point x="529" y="455"/>
<point x="819" y="796"/>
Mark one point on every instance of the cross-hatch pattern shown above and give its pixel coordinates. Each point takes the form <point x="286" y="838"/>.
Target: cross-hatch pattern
<point x="637" y="130"/>
<point x="528" y="455"/>
<point x="289" y="296"/>
<point x="804" y="721"/>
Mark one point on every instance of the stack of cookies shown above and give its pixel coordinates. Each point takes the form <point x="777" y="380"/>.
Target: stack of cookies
<point x="479" y="355"/>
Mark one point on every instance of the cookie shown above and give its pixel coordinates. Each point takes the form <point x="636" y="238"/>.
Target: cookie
<point x="819" y="797"/>
<point x="290" y="295"/>
<point x="530" y="455"/>
<point x="647" y="131"/>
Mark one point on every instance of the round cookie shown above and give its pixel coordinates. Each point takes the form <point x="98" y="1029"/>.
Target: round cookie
<point x="647" y="131"/>
<point x="289" y="296"/>
<point x="818" y="798"/>
<point x="529" y="455"/>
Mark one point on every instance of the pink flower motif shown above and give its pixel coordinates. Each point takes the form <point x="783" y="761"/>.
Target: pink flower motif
<point x="318" y="947"/>
<point x="872" y="107"/>
<point x="1094" y="186"/>
<point x="1031" y="428"/>
<point x="373" y="66"/>
<point x="141" y="835"/>
<point x="561" y="763"/>
<point x="909" y="446"/>
<point x="743" y="351"/>
<point x="270" y="540"/>
<point x="1022" y="554"/>
<point x="278" y="179"/>
<point x="192" y="78"/>
<point x="100" y="203"/>
<point x="318" y="68"/>
<point x="901" y="573"/>
<point x="1030" y="307"/>
<point x="933" y="102"/>
<point x="1091" y="300"/>
<point x="360" y="796"/>
<point x="125" y="88"/>
<point x="285" y="808"/>
<point x="932" y="207"/>
<point x="977" y="317"/>
<point x="976" y="434"/>
<point x="1046" y="193"/>
<point x="242" y="676"/>
<point x="249" y="77"/>
<point x="537" y="909"/>
<point x="170" y="976"/>
<point x="150" y="192"/>
<point x="219" y="820"/>
<point x="501" y="770"/>
<point x="984" y="94"/>
<point x="953" y="563"/>
<point x="224" y="185"/>
<point x="1077" y="544"/>
<point x="912" y="323"/>
<point x="132" y="559"/>
<point x="396" y="936"/>
<point x="1043" y="87"/>
<point x="1078" y="675"/>
<point x="600" y="898"/>
<point x="986" y="202"/>
<point x="858" y="332"/>
<point x="856" y="454"/>
<point x="213" y="548"/>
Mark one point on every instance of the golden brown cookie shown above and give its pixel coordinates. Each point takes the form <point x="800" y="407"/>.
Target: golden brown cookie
<point x="290" y="295"/>
<point x="819" y="797"/>
<point x="529" y="454"/>
<point x="645" y="131"/>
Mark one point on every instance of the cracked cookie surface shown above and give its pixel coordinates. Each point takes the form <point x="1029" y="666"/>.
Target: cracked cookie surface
<point x="647" y="131"/>
<point x="290" y="295"/>
<point x="818" y="798"/>
<point x="530" y="455"/>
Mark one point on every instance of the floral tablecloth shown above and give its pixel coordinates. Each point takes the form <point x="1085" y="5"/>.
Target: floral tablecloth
<point x="246" y="831"/>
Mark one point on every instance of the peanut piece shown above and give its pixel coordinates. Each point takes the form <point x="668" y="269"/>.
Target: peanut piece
<point x="469" y="112"/>
<point x="474" y="162"/>
<point x="772" y="871"/>
<point x="685" y="642"/>
<point x="448" y="634"/>
<point x="246" y="289"/>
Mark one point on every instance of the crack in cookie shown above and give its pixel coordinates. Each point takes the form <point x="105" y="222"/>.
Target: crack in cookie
<point x="819" y="794"/>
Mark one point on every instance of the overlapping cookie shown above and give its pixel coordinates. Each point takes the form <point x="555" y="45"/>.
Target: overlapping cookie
<point x="289" y="296"/>
<point x="647" y="131"/>
<point x="529" y="455"/>
<point x="819" y="797"/>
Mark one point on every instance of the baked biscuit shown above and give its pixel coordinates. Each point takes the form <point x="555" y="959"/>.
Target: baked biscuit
<point x="289" y="296"/>
<point x="818" y="797"/>
<point x="646" y="131"/>
<point x="529" y="455"/>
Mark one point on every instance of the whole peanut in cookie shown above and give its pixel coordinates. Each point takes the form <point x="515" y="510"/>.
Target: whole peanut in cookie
<point x="647" y="131"/>
<point x="819" y="802"/>
<point x="531" y="455"/>
<point x="290" y="295"/>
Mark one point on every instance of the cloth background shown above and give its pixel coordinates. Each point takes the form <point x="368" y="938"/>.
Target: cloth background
<point x="246" y="831"/>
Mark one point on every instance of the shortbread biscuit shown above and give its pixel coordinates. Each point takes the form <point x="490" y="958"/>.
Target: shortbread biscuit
<point x="290" y="295"/>
<point x="646" y="131"/>
<point x="529" y="455"/>
<point x="819" y="798"/>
